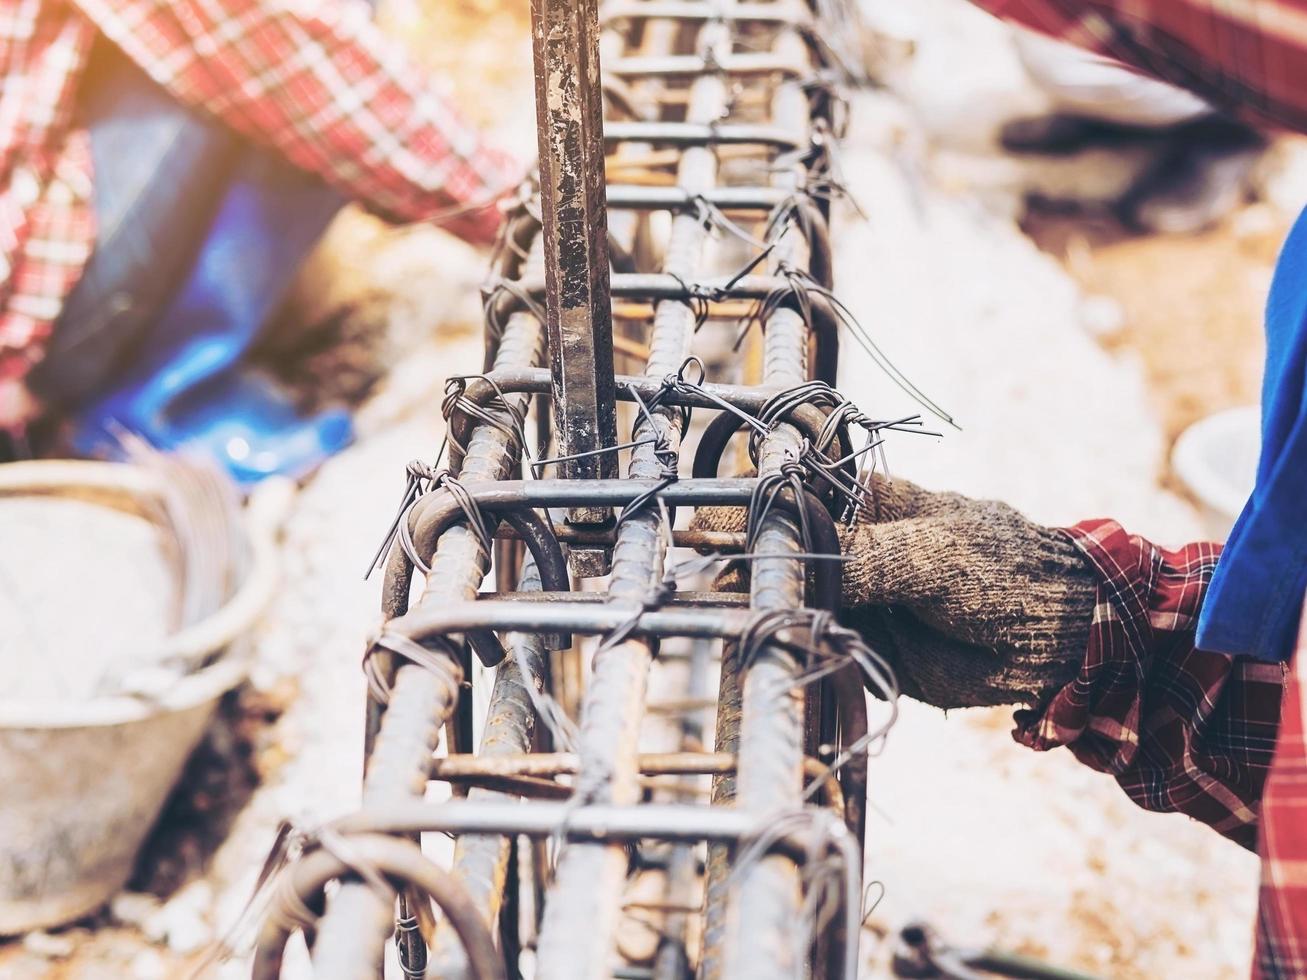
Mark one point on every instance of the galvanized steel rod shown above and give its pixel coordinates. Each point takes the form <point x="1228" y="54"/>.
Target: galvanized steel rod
<point x="421" y="701"/>
<point x="481" y="860"/>
<point x="763" y="926"/>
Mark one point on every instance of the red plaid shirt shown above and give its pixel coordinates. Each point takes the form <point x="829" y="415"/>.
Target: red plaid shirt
<point x="1282" y="910"/>
<point x="1181" y="729"/>
<point x="1243" y="56"/>
<point x="1187" y="731"/>
<point x="315" y="79"/>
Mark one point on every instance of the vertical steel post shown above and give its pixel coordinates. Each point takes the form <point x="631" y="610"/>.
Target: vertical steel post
<point x="579" y="325"/>
<point x="763" y="925"/>
<point x="578" y="937"/>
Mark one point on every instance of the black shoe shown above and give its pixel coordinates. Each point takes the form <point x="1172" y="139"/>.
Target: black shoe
<point x="1062" y="134"/>
<point x="1201" y="176"/>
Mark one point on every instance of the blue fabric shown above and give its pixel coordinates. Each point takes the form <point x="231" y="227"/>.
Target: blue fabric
<point x="1253" y="604"/>
<point x="186" y="388"/>
<point x="161" y="171"/>
<point x="200" y="236"/>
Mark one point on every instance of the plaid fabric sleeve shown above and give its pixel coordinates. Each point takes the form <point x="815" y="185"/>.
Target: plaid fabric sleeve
<point x="47" y="224"/>
<point x="319" y="82"/>
<point x="1282" y="908"/>
<point x="1244" y="57"/>
<point x="1181" y="730"/>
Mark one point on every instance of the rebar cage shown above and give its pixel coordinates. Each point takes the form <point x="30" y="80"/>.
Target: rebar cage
<point x="610" y="782"/>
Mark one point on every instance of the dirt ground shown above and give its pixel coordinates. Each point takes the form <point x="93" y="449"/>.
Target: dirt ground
<point x="1071" y="354"/>
<point x="1199" y="337"/>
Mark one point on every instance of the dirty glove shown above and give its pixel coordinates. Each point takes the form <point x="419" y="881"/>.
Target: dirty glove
<point x="971" y="603"/>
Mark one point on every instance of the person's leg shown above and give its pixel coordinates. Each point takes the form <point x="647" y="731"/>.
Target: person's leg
<point x="160" y="173"/>
<point x="187" y="387"/>
<point x="266" y="223"/>
<point x="199" y="237"/>
<point x="1203" y="159"/>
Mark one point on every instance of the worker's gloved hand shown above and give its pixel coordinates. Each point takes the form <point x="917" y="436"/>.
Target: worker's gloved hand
<point x="971" y="603"/>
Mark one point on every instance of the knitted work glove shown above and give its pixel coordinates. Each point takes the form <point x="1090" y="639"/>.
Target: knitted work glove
<point x="971" y="603"/>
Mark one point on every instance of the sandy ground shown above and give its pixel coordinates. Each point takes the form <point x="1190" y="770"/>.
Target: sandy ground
<point x="989" y="842"/>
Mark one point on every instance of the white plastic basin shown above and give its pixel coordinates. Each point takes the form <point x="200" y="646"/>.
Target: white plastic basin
<point x="85" y="779"/>
<point x="1216" y="460"/>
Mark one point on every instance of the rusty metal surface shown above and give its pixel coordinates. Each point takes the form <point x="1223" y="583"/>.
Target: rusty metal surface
<point x="604" y="756"/>
<point x="578" y="312"/>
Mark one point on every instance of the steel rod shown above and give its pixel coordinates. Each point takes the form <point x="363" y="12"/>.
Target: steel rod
<point x="682" y="66"/>
<point x="578" y="935"/>
<point x="698" y="600"/>
<point x="481" y="861"/>
<point x="636" y="197"/>
<point x="421" y="701"/>
<point x="726" y="542"/>
<point x="597" y="823"/>
<point x="579" y="325"/>
<point x="763" y="13"/>
<point x="701" y="134"/>
<point x="763" y="925"/>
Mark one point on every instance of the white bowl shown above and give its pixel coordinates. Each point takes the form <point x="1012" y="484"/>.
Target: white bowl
<point x="85" y="780"/>
<point x="1216" y="460"/>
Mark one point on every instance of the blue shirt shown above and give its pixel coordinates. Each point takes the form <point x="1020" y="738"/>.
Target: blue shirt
<point x="1255" y="598"/>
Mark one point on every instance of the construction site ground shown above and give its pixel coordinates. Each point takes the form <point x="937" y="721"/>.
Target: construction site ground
<point x="1071" y="354"/>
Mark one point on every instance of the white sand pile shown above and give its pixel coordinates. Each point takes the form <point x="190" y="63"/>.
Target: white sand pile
<point x="988" y="841"/>
<point x="82" y="588"/>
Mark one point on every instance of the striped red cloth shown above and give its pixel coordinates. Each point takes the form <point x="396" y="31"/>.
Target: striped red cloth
<point x="1282" y="908"/>
<point x="1243" y="56"/>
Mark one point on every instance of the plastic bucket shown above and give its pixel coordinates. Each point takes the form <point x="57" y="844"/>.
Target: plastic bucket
<point x="1216" y="460"/>
<point x="85" y="780"/>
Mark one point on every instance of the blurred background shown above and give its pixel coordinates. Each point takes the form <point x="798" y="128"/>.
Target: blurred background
<point x="1079" y="294"/>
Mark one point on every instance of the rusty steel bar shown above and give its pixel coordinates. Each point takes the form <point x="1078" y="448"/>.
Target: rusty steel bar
<point x="752" y="928"/>
<point x="655" y="286"/>
<point x="762" y="927"/>
<point x="701" y="600"/>
<point x="601" y="823"/>
<point x="578" y="321"/>
<point x="684" y="66"/>
<point x="481" y="861"/>
<point x="421" y="701"/>
<point x="779" y="12"/>
<point x="544" y="764"/>
<point x="578" y="935"/>
<point x="725" y="542"/>
<point x="634" y="197"/>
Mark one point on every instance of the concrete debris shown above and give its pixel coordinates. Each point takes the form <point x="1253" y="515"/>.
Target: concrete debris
<point x="133" y="908"/>
<point x="1101" y="316"/>
<point x="148" y="965"/>
<point x="182" y="924"/>
<point x="49" y="945"/>
<point x="118" y="616"/>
